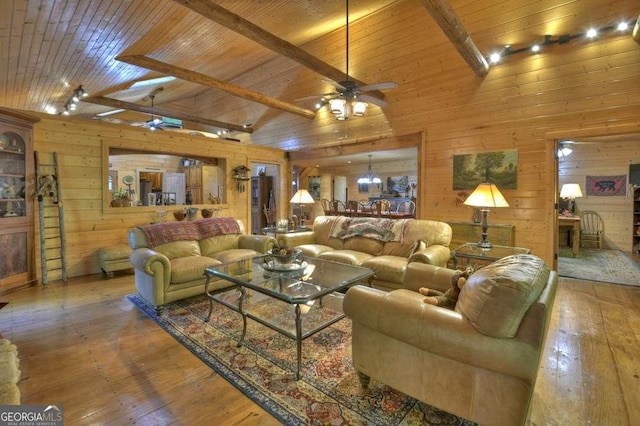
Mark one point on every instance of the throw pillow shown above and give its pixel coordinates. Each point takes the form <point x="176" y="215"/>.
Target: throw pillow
<point x="495" y="298"/>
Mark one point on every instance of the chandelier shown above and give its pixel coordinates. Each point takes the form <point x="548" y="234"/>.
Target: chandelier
<point x="369" y="177"/>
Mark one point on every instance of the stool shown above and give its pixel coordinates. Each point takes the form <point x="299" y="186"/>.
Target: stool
<point x="114" y="258"/>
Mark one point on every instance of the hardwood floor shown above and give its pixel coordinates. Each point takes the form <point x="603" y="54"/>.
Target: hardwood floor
<point x="84" y="346"/>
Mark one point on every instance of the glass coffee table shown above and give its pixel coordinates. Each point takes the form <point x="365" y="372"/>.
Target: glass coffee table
<point x="296" y="300"/>
<point x="473" y="253"/>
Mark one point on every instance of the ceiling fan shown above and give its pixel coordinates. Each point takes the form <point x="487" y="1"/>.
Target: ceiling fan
<point x="348" y="94"/>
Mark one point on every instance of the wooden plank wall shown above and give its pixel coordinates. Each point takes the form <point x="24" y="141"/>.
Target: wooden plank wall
<point x="524" y="103"/>
<point x="89" y="226"/>
<point x="591" y="158"/>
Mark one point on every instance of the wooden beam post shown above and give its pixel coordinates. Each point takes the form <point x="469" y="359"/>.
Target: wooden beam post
<point x="236" y="23"/>
<point x="198" y="78"/>
<point x="444" y="15"/>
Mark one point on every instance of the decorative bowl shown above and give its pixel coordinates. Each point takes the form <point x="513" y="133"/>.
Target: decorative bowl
<point x="283" y="256"/>
<point x="179" y="214"/>
<point x="206" y="212"/>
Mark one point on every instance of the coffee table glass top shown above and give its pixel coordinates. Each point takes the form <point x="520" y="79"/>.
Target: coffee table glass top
<point x="291" y="283"/>
<point x="294" y="299"/>
<point x="473" y="251"/>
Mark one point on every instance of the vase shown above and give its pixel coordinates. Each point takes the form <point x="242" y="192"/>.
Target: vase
<point x="192" y="212"/>
<point x="206" y="212"/>
<point x="179" y="215"/>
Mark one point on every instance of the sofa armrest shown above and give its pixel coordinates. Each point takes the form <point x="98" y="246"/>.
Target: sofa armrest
<point x="436" y="254"/>
<point x="403" y="316"/>
<point x="259" y="243"/>
<point x="147" y="260"/>
<point x="296" y="239"/>
<point x="430" y="276"/>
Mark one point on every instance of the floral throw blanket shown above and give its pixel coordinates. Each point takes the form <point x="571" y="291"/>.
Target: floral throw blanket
<point x="167" y="232"/>
<point x="385" y="230"/>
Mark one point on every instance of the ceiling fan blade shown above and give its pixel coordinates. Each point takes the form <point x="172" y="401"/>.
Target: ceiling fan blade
<point x="379" y="86"/>
<point x="317" y="96"/>
<point x="372" y="100"/>
<point x="334" y="83"/>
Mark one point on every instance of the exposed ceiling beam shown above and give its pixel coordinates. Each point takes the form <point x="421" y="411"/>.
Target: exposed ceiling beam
<point x="115" y="103"/>
<point x="205" y="80"/>
<point x="308" y="157"/>
<point x="444" y="15"/>
<point x="236" y="23"/>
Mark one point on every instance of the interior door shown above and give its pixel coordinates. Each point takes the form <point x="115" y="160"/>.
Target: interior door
<point x="340" y="188"/>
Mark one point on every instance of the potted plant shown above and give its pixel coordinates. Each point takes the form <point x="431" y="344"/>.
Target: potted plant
<point x="120" y="198"/>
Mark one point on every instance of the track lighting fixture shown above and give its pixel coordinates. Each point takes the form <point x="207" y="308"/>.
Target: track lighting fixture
<point x="591" y="33"/>
<point x="72" y="103"/>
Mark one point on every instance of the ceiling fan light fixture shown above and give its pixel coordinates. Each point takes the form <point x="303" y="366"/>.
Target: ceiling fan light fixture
<point x="337" y="106"/>
<point x="359" y="108"/>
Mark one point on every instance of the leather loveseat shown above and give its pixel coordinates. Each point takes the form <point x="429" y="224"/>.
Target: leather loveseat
<point x="479" y="361"/>
<point x="384" y="245"/>
<point x="170" y="257"/>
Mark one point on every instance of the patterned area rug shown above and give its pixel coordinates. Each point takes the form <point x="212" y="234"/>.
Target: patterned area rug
<point x="608" y="266"/>
<point x="263" y="369"/>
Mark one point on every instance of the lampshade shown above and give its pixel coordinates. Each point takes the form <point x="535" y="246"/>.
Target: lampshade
<point x="570" y="190"/>
<point x="359" y="108"/>
<point x="486" y="195"/>
<point x="302" y="196"/>
<point x="337" y="106"/>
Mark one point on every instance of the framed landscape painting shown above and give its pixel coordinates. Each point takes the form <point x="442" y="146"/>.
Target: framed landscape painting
<point x="314" y="187"/>
<point x="500" y="168"/>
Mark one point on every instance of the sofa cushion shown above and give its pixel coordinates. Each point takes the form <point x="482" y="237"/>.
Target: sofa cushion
<point x="235" y="254"/>
<point x="496" y="297"/>
<point x="322" y="226"/>
<point x="189" y="268"/>
<point x="350" y="257"/>
<point x="367" y="245"/>
<point x="387" y="268"/>
<point x="314" y="250"/>
<point x="179" y="249"/>
<point x="211" y="245"/>
<point x="429" y="231"/>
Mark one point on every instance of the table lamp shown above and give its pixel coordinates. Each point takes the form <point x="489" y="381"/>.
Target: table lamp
<point x="485" y="196"/>
<point x="302" y="197"/>
<point x="569" y="192"/>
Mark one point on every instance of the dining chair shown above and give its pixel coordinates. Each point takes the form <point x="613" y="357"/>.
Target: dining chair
<point x="337" y="208"/>
<point x="591" y="228"/>
<point x="325" y="206"/>
<point x="407" y="206"/>
<point x="353" y="208"/>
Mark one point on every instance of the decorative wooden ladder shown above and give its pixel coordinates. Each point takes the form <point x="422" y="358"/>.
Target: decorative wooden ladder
<point x="51" y="218"/>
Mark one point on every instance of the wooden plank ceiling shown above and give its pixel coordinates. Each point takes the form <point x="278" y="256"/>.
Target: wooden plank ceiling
<point x="48" y="48"/>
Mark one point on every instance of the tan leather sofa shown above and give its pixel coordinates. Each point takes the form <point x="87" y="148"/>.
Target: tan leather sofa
<point x="422" y="241"/>
<point x="170" y="258"/>
<point x="478" y="362"/>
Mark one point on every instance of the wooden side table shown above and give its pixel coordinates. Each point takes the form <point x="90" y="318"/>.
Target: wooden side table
<point x="574" y="223"/>
<point x="476" y="255"/>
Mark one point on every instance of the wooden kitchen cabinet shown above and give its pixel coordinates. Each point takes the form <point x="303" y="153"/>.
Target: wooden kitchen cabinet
<point x="193" y="180"/>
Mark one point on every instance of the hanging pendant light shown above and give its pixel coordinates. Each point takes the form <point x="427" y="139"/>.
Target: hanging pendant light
<point x="369" y="177"/>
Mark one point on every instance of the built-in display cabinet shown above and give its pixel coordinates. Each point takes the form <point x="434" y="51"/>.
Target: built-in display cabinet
<point x="16" y="201"/>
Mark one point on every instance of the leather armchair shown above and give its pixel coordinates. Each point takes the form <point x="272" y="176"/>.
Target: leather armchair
<point x="478" y="362"/>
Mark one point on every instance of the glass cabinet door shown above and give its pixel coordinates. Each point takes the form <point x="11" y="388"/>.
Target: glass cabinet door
<point x="12" y="176"/>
